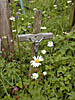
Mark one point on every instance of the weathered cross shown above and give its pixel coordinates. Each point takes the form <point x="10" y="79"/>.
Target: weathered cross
<point x="36" y="37"/>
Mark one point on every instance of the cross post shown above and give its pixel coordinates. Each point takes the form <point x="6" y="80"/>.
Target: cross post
<point x="36" y="37"/>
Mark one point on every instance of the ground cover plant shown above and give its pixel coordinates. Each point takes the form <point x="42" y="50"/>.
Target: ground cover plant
<point x="53" y="70"/>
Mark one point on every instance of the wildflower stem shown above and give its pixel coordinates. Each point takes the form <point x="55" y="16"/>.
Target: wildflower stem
<point x="4" y="87"/>
<point x="21" y="75"/>
<point x="2" y="81"/>
<point x="14" y="6"/>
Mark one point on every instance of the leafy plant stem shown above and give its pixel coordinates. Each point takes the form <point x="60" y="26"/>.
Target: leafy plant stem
<point x="2" y="81"/>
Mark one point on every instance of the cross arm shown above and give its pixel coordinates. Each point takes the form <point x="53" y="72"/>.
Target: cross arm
<point x="35" y="37"/>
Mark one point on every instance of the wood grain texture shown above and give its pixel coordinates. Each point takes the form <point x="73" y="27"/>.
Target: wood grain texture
<point x="5" y="25"/>
<point x="37" y="21"/>
<point x="34" y="37"/>
<point x="36" y="29"/>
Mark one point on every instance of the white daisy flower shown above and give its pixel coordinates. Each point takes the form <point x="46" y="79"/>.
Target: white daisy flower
<point x="55" y="6"/>
<point x="43" y="28"/>
<point x="13" y="30"/>
<point x="69" y="1"/>
<point x="34" y="76"/>
<point x="36" y="61"/>
<point x="43" y="51"/>
<point x="12" y="18"/>
<point x="50" y="44"/>
<point x="66" y="6"/>
<point x="25" y="30"/>
<point x="22" y="19"/>
<point x="32" y="17"/>
<point x="44" y="73"/>
<point x="11" y="40"/>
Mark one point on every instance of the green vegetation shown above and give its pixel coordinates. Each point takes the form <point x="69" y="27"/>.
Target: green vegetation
<point x="59" y="60"/>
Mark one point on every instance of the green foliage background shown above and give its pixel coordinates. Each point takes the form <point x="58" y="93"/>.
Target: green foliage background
<point x="59" y="62"/>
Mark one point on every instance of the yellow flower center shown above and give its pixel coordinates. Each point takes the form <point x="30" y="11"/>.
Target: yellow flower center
<point x="34" y="76"/>
<point x="50" y="43"/>
<point x="37" y="61"/>
<point x="43" y="51"/>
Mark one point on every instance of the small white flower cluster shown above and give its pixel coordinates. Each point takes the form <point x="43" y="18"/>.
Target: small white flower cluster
<point x="43" y="28"/>
<point x="69" y="1"/>
<point x="25" y="29"/>
<point x="22" y="19"/>
<point x="36" y="75"/>
<point x="44" y="73"/>
<point x="55" y="6"/>
<point x="11" y="40"/>
<point x="14" y="30"/>
<point x="12" y="18"/>
<point x="66" y="6"/>
<point x="32" y="17"/>
<point x="36" y="63"/>
<point x="50" y="44"/>
<point x="4" y="37"/>
<point x="65" y="33"/>
<point x="43" y="51"/>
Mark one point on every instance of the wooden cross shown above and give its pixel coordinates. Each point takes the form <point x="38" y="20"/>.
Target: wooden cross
<point x="36" y="37"/>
